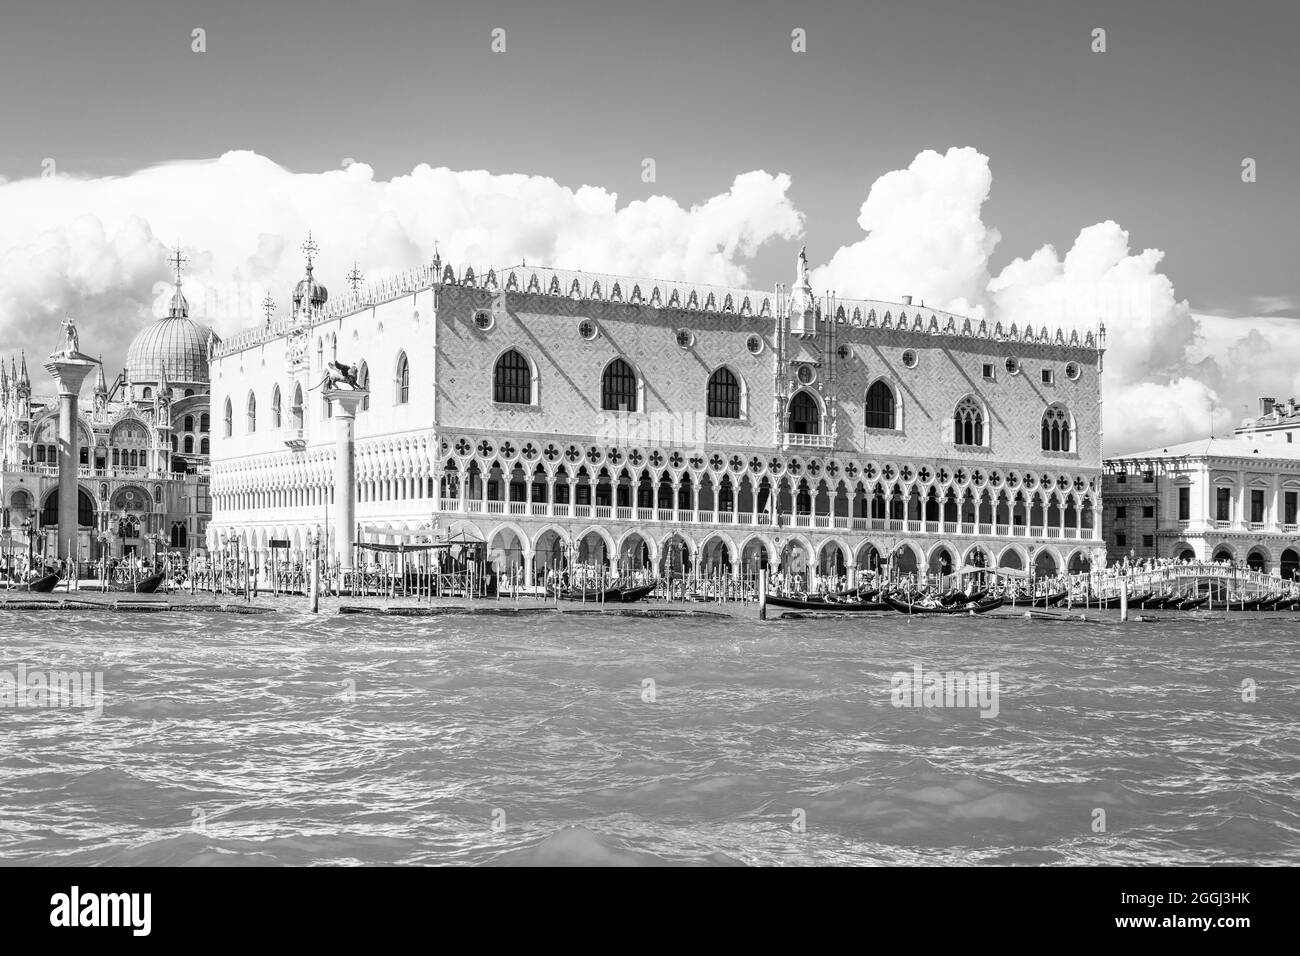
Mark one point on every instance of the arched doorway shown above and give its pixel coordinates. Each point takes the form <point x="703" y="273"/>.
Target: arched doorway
<point x="1222" y="553"/>
<point x="941" y="561"/>
<point x="85" y="509"/>
<point x="1290" y="564"/>
<point x="1045" y="564"/>
<point x="753" y="557"/>
<point x="1256" y="560"/>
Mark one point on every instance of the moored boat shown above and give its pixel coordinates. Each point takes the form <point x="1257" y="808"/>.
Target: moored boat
<point x="905" y="607"/>
<point x="815" y="604"/>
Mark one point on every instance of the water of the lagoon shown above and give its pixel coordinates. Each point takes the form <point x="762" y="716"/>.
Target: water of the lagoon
<point x="229" y="740"/>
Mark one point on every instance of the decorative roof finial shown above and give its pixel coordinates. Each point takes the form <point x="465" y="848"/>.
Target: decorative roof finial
<point x="310" y="249"/>
<point x="178" y="259"/>
<point x="268" y="306"/>
<point x="355" y="277"/>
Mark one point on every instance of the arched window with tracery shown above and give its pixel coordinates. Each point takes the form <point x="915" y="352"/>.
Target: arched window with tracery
<point x="252" y="413"/>
<point x="363" y="381"/>
<point x="1056" y="429"/>
<point x="724" y="394"/>
<point x="968" y="423"/>
<point x="295" y="410"/>
<point x="229" y="419"/>
<point x="512" y="379"/>
<point x="618" y="387"/>
<point x="805" y="415"/>
<point x="402" y="380"/>
<point x="275" y="407"/>
<point x="881" y="409"/>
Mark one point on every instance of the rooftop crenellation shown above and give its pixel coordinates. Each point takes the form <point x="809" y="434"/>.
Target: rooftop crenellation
<point x="663" y="294"/>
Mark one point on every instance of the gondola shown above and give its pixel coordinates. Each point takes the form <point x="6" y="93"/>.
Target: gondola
<point x="609" y="595"/>
<point x="1050" y="600"/>
<point x="1191" y="604"/>
<point x="960" y="597"/>
<point x="1112" y="601"/>
<point x="905" y="608"/>
<point x="628" y="595"/>
<point x="799" y="604"/>
<point x="44" y="584"/>
<point x="1158" y="601"/>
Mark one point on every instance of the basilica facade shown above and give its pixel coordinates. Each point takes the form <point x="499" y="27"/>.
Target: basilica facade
<point x="635" y="422"/>
<point x="143" y="444"/>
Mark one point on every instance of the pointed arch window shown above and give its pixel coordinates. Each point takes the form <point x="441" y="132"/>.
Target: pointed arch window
<point x="968" y="423"/>
<point x="402" y="380"/>
<point x="275" y="407"/>
<point x="252" y="413"/>
<point x="881" y="408"/>
<point x="618" y="387"/>
<point x="363" y="381"/>
<point x="229" y="419"/>
<point x="805" y="415"/>
<point x="512" y="379"/>
<point x="295" y="410"/>
<point x="724" y="394"/>
<point x="1056" y="429"/>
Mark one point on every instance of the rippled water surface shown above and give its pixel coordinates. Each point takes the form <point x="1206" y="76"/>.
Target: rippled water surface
<point x="235" y="739"/>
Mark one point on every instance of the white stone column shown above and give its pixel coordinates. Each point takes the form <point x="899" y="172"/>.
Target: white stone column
<point x="346" y="402"/>
<point x="69" y="369"/>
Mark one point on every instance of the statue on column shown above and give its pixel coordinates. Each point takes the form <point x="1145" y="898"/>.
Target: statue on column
<point x="341" y="376"/>
<point x="71" y="344"/>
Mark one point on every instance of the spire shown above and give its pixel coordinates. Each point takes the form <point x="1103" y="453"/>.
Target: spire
<point x="179" y="308"/>
<point x="23" y="380"/>
<point x="101" y="386"/>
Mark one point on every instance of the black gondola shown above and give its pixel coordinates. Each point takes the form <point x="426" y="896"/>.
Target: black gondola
<point x="609" y="595"/>
<point x="1050" y="600"/>
<point x="1191" y="604"/>
<point x="44" y="584"/>
<point x="904" y="607"/>
<point x="628" y="595"/>
<point x="816" y="604"/>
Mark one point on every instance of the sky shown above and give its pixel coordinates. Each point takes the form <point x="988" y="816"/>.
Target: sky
<point x="979" y="156"/>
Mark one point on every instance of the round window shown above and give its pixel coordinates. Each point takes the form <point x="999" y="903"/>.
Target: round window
<point x="587" y="329"/>
<point x="684" y="338"/>
<point x="1012" y="365"/>
<point x="806" y="374"/>
<point x="483" y="319"/>
<point x="910" y="358"/>
<point x="843" y="353"/>
<point x="755" y="344"/>
<point x="1072" y="371"/>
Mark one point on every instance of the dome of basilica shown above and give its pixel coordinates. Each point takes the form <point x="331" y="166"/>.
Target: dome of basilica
<point x="175" y="346"/>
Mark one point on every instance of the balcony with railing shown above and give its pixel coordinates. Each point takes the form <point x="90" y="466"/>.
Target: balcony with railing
<point x="823" y="521"/>
<point x="799" y="440"/>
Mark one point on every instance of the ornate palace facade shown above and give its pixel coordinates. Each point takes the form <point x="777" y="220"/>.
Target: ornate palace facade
<point x="641" y="421"/>
<point x="142" y="450"/>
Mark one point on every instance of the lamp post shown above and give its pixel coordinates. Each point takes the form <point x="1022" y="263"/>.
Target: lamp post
<point x="315" y="569"/>
<point x="27" y="530"/>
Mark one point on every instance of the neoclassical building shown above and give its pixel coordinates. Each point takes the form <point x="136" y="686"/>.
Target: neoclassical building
<point x="143" y="447"/>
<point x="639" y="421"/>
<point x="1234" y="499"/>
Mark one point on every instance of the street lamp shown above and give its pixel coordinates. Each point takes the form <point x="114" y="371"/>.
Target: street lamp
<point x="27" y="530"/>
